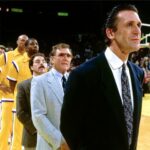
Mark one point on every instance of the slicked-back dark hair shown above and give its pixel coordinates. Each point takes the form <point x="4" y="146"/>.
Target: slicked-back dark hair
<point x="111" y="21"/>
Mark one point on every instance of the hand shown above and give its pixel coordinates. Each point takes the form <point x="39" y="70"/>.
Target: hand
<point x="64" y="146"/>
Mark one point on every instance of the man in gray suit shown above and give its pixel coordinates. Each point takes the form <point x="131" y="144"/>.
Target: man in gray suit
<point x="38" y="66"/>
<point x="47" y="98"/>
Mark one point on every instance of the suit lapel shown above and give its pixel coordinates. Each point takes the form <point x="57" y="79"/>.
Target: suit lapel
<point x="135" y="85"/>
<point x="28" y="86"/>
<point x="29" y="83"/>
<point x="137" y="96"/>
<point x="55" y="86"/>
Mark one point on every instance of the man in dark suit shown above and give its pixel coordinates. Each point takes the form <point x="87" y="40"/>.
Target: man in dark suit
<point x="93" y="115"/>
<point x="38" y="66"/>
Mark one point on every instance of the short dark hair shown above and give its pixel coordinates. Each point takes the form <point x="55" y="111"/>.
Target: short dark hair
<point x="32" y="58"/>
<point x="29" y="40"/>
<point x="111" y="21"/>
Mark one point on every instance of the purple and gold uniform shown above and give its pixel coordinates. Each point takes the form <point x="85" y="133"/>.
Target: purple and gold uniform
<point x="7" y="98"/>
<point x="18" y="72"/>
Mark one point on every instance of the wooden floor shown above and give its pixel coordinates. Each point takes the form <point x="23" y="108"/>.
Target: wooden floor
<point x="144" y="133"/>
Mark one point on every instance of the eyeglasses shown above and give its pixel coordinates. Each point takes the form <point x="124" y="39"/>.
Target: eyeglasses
<point x="64" y="54"/>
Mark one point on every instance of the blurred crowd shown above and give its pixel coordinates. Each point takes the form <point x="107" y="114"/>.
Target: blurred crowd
<point x="86" y="46"/>
<point x="142" y="59"/>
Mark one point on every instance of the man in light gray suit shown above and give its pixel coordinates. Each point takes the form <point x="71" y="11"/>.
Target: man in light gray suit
<point x="47" y="97"/>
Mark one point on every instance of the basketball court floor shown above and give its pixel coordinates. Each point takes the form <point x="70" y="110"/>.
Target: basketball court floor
<point x="144" y="132"/>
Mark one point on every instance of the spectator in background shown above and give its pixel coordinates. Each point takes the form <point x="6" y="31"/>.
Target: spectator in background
<point x="9" y="48"/>
<point x="144" y="65"/>
<point x="38" y="66"/>
<point x="2" y="49"/>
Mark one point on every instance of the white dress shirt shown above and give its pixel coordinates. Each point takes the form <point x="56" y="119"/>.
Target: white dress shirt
<point x="59" y="75"/>
<point x="115" y="64"/>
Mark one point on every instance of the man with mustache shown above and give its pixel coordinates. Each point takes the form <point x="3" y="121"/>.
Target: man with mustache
<point x="38" y="66"/>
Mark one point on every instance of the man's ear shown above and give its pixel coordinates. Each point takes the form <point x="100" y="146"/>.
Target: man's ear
<point x="110" y="33"/>
<point x="52" y="59"/>
<point x="31" y="68"/>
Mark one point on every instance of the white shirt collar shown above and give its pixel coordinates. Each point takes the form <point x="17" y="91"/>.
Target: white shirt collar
<point x="58" y="74"/>
<point x="114" y="61"/>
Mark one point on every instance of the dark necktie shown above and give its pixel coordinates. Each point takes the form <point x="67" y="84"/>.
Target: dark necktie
<point x="126" y="95"/>
<point x="64" y="82"/>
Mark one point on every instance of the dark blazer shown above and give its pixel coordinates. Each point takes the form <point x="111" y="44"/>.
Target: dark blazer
<point x="29" y="136"/>
<point x="92" y="116"/>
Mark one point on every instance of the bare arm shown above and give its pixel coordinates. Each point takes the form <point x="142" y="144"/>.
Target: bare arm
<point x="5" y="88"/>
<point x="12" y="85"/>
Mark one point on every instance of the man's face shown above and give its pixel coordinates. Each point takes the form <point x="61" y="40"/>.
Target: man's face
<point x="33" y="47"/>
<point x="62" y="59"/>
<point x="39" y="65"/>
<point x="21" y="41"/>
<point x="128" y="33"/>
